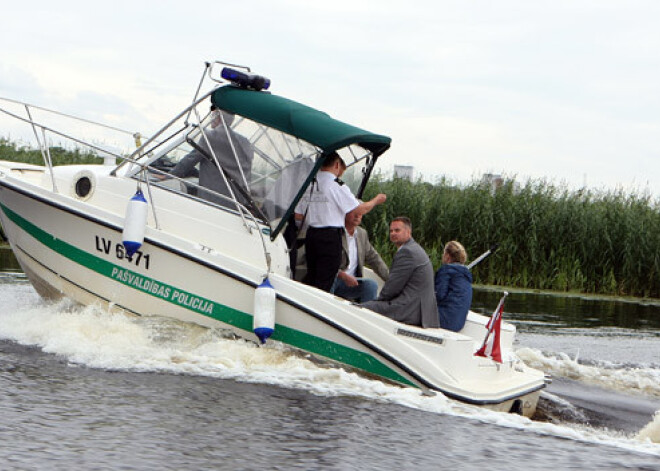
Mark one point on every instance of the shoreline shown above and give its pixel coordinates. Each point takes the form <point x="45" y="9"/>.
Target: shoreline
<point x="571" y="294"/>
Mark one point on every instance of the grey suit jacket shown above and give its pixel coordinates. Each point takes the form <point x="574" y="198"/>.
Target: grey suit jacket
<point x="408" y="295"/>
<point x="209" y="175"/>
<point x="367" y="255"/>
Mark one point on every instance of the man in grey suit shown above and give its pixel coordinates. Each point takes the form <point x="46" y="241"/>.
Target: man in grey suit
<point x="408" y="295"/>
<point x="233" y="152"/>
<point x="357" y="252"/>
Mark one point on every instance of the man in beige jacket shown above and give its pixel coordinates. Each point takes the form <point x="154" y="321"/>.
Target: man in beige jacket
<point x="357" y="252"/>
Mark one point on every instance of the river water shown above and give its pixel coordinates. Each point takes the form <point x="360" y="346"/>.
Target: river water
<point x="83" y="389"/>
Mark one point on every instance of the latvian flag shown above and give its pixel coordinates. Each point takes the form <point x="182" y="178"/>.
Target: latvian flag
<point x="491" y="346"/>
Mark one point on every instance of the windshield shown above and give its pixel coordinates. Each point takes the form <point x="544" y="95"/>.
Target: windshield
<point x="261" y="168"/>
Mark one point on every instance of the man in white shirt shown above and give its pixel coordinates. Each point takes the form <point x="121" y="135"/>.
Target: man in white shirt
<point x="357" y="252"/>
<point x="324" y="208"/>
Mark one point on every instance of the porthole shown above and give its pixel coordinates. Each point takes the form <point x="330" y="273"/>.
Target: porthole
<point x="83" y="185"/>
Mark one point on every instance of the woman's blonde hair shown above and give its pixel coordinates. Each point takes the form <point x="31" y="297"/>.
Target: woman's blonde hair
<point x="456" y="252"/>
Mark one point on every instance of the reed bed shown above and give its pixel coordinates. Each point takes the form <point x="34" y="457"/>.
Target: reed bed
<point x="60" y="156"/>
<point x="605" y="242"/>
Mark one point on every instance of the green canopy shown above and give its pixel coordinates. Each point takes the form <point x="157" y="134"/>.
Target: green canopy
<point x="290" y="117"/>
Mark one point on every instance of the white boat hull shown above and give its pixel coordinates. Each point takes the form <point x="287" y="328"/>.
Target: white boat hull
<point x="72" y="247"/>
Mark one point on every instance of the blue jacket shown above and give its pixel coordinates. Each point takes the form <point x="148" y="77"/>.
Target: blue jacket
<point x="453" y="292"/>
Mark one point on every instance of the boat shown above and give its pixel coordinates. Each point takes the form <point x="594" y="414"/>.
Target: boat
<point x="206" y="256"/>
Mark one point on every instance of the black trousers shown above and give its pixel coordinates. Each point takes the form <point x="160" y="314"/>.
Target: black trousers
<point x="323" y="252"/>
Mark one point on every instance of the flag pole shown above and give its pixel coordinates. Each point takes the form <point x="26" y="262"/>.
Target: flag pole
<point x="483" y="256"/>
<point x="489" y="324"/>
<point x="492" y="328"/>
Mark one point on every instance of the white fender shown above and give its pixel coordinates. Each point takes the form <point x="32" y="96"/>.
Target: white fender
<point x="135" y="223"/>
<point x="263" y="322"/>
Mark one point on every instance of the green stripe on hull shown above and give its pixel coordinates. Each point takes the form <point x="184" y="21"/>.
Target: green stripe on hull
<point x="206" y="307"/>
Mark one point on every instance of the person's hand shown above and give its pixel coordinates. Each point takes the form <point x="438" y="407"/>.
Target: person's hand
<point x="380" y="198"/>
<point x="348" y="280"/>
<point x="159" y="176"/>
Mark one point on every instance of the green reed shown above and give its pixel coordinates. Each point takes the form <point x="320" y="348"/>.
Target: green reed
<point x="59" y="156"/>
<point x="589" y="241"/>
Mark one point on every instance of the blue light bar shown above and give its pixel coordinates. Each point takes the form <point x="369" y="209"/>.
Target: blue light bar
<point x="245" y="80"/>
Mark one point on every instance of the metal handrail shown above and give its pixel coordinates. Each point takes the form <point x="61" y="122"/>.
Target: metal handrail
<point x="89" y="121"/>
<point x="217" y="162"/>
<point x="61" y="134"/>
<point x="139" y="151"/>
<point x="241" y="209"/>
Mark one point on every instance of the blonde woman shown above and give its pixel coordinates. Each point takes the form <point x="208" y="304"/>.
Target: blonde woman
<point x="453" y="287"/>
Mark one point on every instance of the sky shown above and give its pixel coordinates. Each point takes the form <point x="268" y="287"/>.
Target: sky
<point x="562" y="91"/>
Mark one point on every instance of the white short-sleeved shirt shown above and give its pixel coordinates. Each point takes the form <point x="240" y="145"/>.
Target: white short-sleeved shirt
<point x="329" y="202"/>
